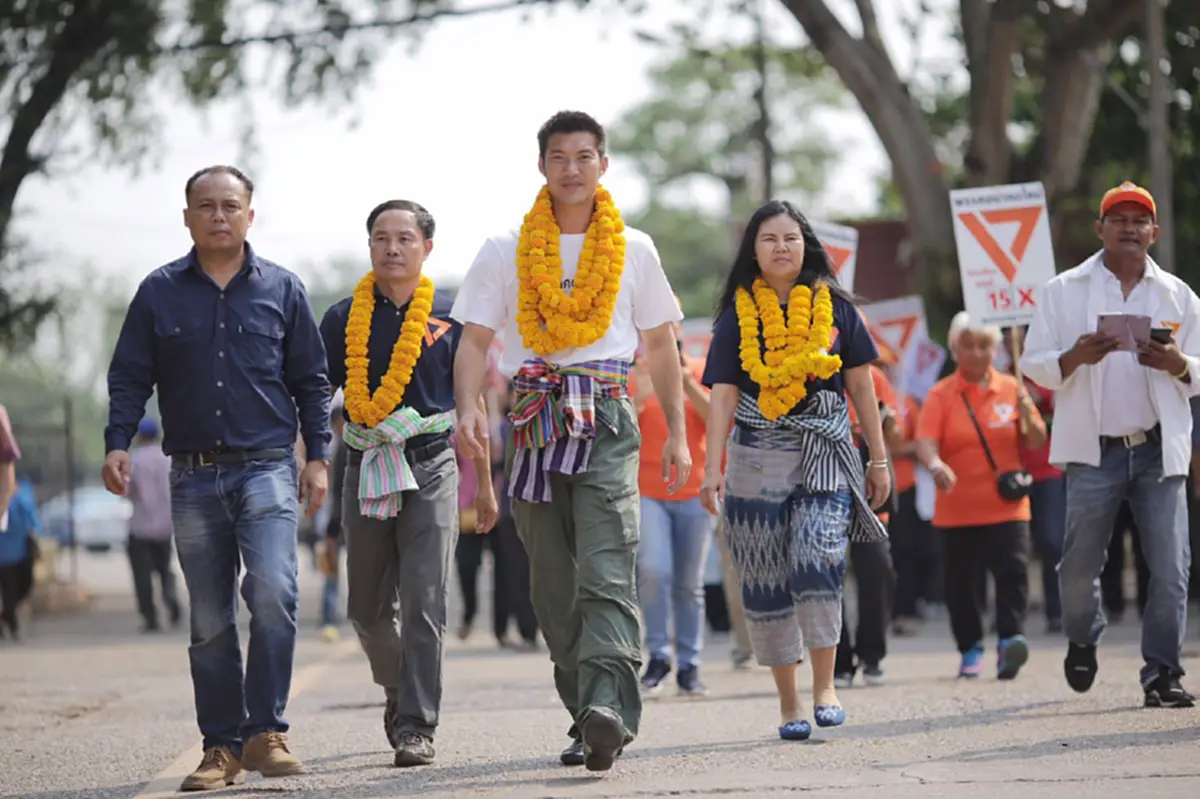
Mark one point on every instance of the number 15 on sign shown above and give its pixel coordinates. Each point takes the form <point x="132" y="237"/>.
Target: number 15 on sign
<point x="1002" y="299"/>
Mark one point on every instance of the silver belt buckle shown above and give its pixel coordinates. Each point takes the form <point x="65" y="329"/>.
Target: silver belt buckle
<point x="1134" y="439"/>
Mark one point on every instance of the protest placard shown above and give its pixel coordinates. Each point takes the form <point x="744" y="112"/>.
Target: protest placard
<point x="1005" y="254"/>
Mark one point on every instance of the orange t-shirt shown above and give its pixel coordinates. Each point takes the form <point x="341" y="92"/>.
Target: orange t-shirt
<point x="653" y="424"/>
<point x="974" y="500"/>
<point x="906" y="468"/>
<point x="883" y="392"/>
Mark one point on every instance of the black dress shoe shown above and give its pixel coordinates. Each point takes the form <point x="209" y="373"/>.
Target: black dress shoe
<point x="603" y="738"/>
<point x="573" y="754"/>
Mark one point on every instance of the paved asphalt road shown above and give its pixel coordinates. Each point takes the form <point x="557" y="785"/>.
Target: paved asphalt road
<point x="91" y="709"/>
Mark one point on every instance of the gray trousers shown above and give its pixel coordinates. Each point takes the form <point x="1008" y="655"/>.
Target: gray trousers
<point x="397" y="571"/>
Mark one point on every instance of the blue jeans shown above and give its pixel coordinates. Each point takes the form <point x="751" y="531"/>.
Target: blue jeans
<point x="227" y="516"/>
<point x="1159" y="507"/>
<point x="1048" y="513"/>
<point x="670" y="566"/>
<point x="329" y="601"/>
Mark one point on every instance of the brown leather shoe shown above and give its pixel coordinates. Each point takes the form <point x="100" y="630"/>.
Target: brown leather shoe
<point x="267" y="753"/>
<point x="218" y="769"/>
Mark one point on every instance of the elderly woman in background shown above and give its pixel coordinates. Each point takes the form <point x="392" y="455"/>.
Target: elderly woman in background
<point x="970" y="436"/>
<point x="788" y="346"/>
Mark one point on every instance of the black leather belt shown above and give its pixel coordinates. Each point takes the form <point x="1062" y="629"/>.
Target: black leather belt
<point x="413" y="454"/>
<point x="1133" y="439"/>
<point x="200" y="460"/>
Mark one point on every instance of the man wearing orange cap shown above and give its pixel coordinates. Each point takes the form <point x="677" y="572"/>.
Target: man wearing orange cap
<point x="1122" y="432"/>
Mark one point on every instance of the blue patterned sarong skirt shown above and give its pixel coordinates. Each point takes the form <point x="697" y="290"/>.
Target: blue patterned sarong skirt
<point x="788" y="547"/>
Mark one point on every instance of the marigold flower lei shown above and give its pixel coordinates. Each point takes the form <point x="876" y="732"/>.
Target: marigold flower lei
<point x="549" y="318"/>
<point x="362" y="407"/>
<point x="796" y="349"/>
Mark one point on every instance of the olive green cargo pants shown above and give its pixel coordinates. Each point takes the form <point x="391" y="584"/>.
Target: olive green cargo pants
<point x="582" y="548"/>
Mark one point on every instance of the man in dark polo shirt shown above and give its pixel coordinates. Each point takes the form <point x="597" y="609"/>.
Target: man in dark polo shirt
<point x="230" y="342"/>
<point x="391" y="350"/>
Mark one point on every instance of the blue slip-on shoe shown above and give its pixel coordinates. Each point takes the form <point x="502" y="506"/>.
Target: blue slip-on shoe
<point x="829" y="715"/>
<point x="795" y="731"/>
<point x="972" y="663"/>
<point x="1011" y="656"/>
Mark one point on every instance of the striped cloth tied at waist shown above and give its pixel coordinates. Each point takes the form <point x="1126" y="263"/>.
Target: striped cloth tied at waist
<point x="828" y="454"/>
<point x="385" y="473"/>
<point x="554" y="420"/>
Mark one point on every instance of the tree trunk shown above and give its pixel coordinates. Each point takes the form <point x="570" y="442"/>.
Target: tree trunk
<point x="991" y="33"/>
<point x="869" y="74"/>
<point x="1070" y="100"/>
<point x="80" y="40"/>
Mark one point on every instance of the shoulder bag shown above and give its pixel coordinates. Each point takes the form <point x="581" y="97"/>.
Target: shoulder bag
<point x="1013" y="486"/>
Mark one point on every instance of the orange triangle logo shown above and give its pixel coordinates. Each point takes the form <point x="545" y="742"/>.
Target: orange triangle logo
<point x="435" y="330"/>
<point x="886" y="353"/>
<point x="907" y="325"/>
<point x="1006" y="261"/>
<point x="839" y="256"/>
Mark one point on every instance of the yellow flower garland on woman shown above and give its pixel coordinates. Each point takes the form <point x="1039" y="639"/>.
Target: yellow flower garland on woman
<point x="363" y="408"/>
<point x="796" y="349"/>
<point x="548" y="317"/>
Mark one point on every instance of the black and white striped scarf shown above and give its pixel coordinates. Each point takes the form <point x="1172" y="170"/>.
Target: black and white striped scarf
<point x="827" y="453"/>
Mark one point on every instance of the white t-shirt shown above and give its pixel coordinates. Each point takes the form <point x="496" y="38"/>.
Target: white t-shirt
<point x="488" y="297"/>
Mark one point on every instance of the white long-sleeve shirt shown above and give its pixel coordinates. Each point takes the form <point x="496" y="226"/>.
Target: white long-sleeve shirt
<point x="1068" y="307"/>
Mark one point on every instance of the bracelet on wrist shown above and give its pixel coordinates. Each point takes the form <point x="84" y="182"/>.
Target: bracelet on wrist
<point x="1184" y="371"/>
<point x="877" y="464"/>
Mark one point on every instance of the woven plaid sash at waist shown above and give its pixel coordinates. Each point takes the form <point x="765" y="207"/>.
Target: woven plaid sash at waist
<point x="822" y="435"/>
<point x="385" y="474"/>
<point x="554" y="420"/>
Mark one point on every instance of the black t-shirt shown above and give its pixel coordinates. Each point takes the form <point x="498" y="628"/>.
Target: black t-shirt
<point x="851" y="340"/>
<point x="431" y="389"/>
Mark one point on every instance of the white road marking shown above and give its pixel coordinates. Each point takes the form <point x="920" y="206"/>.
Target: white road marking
<point x="167" y="782"/>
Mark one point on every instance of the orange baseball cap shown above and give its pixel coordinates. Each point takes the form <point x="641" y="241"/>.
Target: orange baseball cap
<point x="1128" y="192"/>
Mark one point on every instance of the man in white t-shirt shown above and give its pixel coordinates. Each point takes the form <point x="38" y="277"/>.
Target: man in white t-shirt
<point x="568" y="295"/>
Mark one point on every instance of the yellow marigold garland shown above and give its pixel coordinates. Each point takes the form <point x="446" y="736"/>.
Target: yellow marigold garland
<point x="362" y="407"/>
<point x="549" y="318"/>
<point x="796" y="349"/>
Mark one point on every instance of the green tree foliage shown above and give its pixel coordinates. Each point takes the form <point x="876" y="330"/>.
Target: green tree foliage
<point x="703" y="122"/>
<point x="1116" y="147"/>
<point x="1117" y="151"/>
<point x="1034" y="73"/>
<point x="89" y="70"/>
<point x="695" y="251"/>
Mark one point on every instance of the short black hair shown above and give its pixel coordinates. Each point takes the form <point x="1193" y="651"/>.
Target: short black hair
<point x="570" y="122"/>
<point x="219" y="169"/>
<point x="424" y="218"/>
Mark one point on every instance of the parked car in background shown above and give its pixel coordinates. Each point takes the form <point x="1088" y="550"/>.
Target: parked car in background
<point x="101" y="519"/>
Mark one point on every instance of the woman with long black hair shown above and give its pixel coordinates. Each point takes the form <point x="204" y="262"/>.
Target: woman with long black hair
<point x="787" y="347"/>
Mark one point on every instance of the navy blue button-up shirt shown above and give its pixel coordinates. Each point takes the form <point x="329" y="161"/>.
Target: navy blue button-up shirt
<point x="431" y="389"/>
<point x="236" y="369"/>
